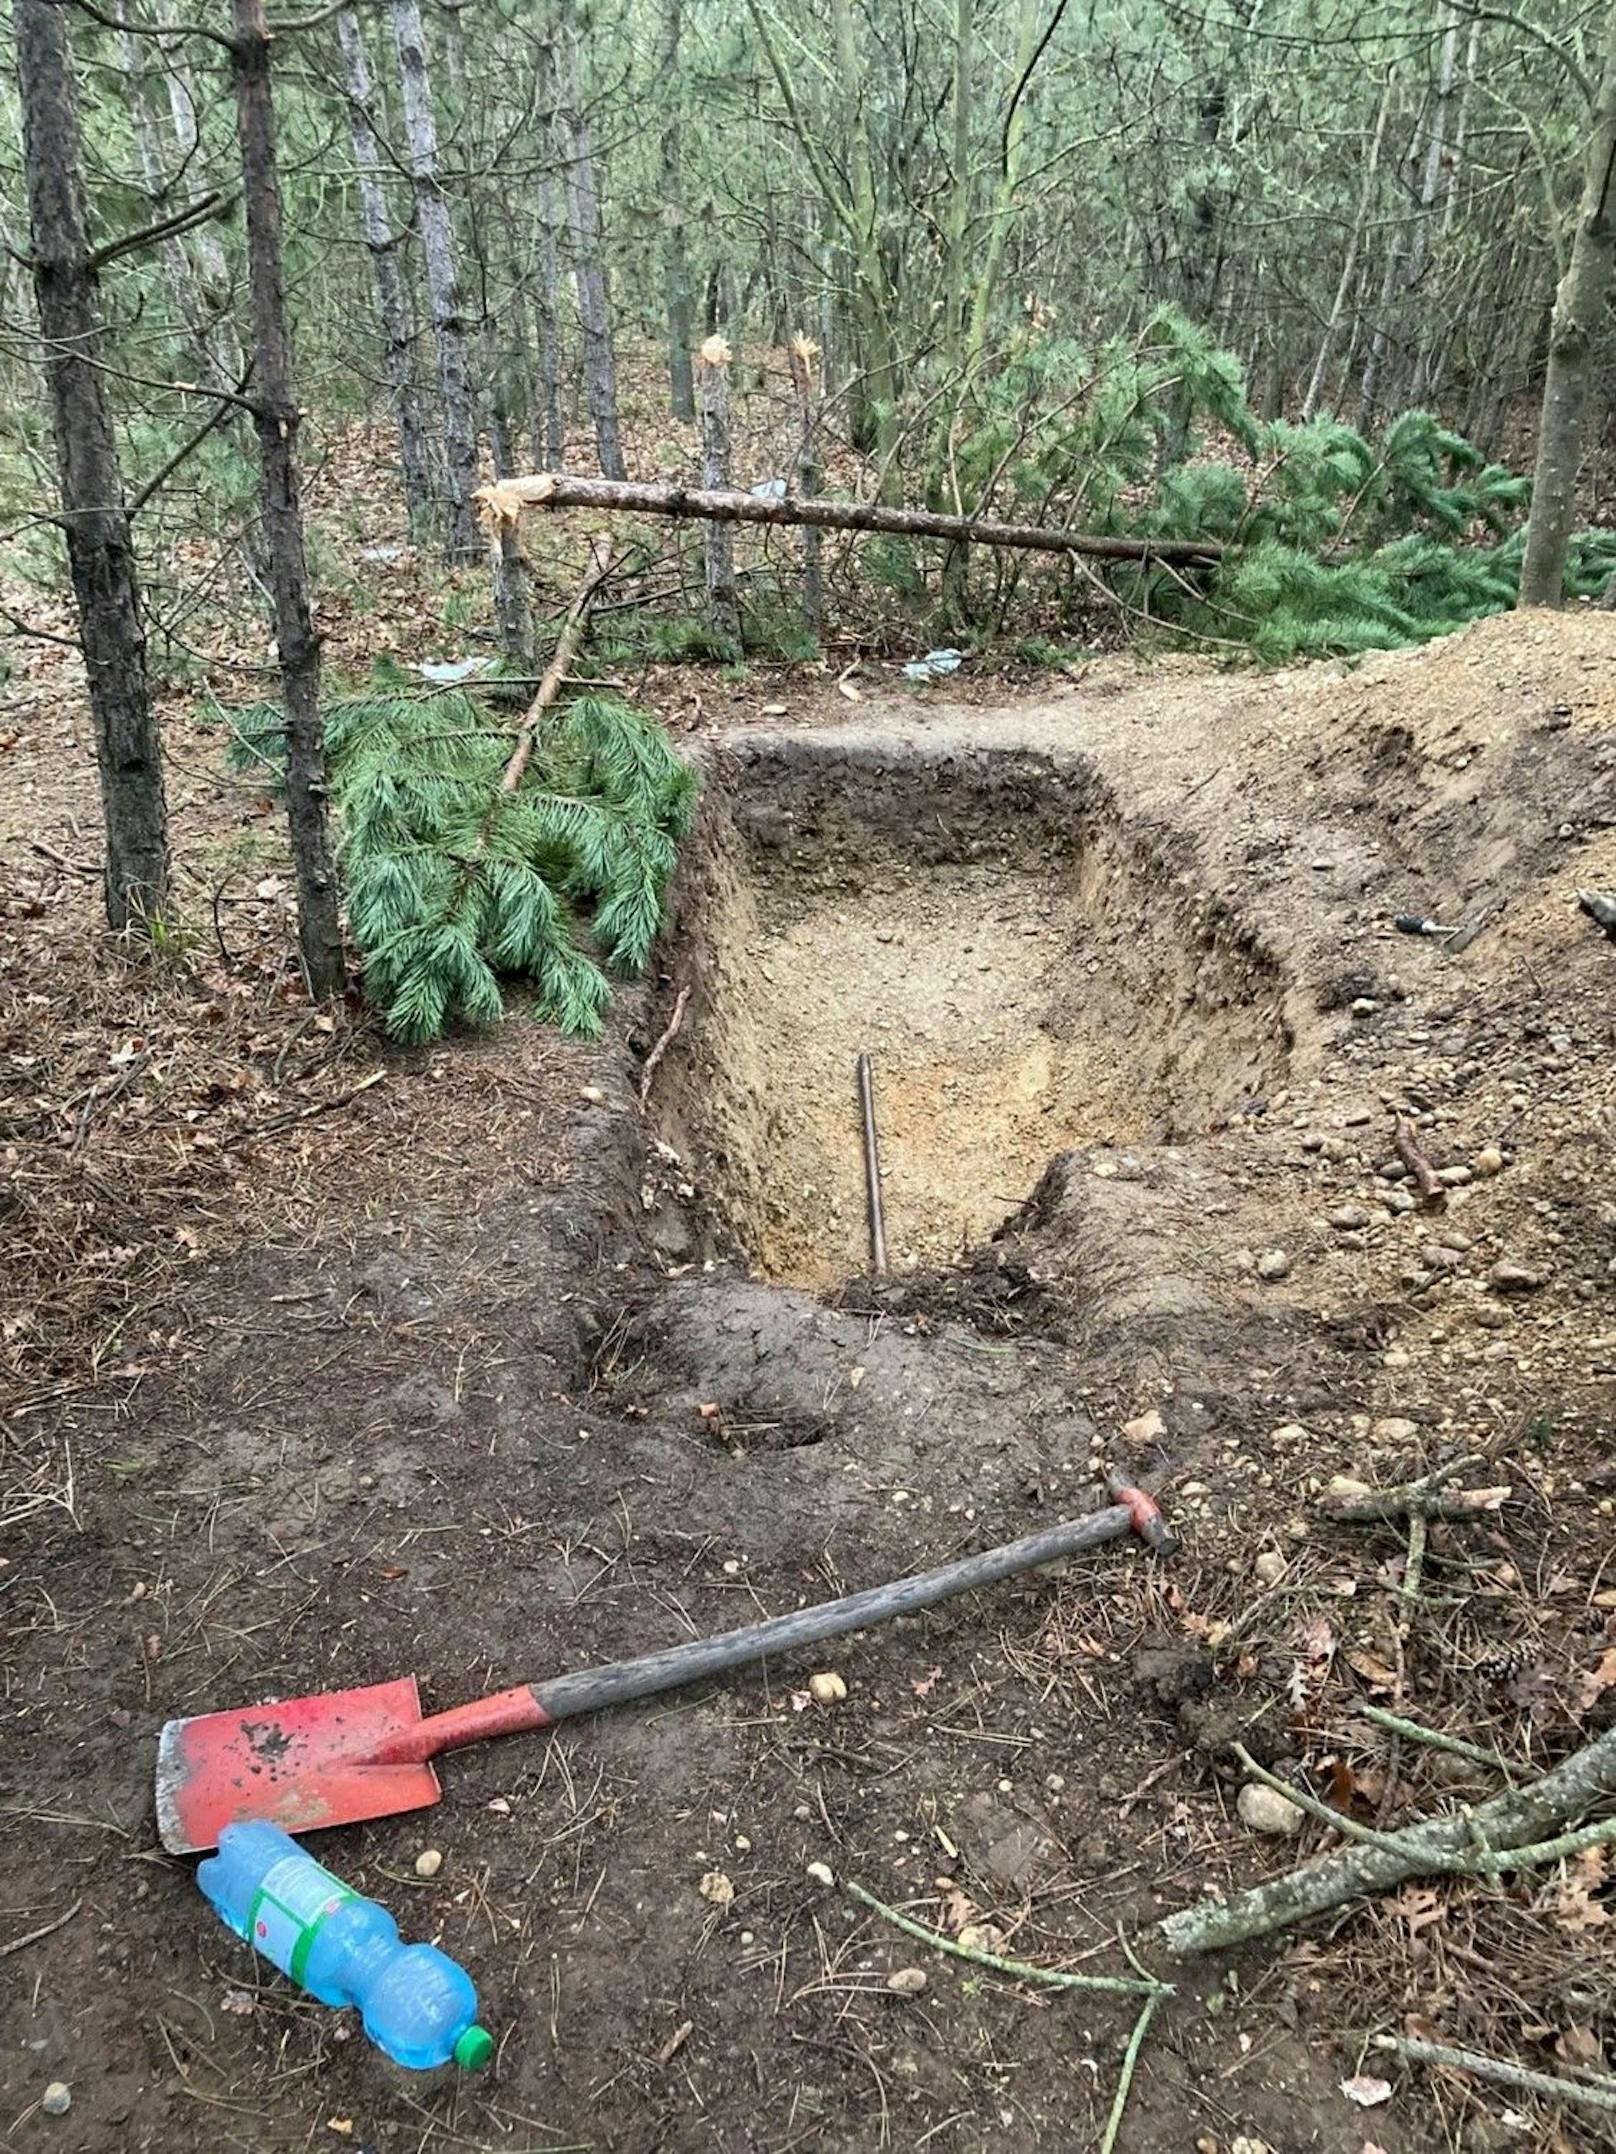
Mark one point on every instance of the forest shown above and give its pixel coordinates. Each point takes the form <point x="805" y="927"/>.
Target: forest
<point x="808" y="816"/>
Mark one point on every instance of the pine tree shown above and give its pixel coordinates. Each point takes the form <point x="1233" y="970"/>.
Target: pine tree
<point x="455" y="885"/>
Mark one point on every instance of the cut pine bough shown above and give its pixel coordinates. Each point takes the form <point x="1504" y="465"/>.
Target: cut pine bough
<point x="334" y="1759"/>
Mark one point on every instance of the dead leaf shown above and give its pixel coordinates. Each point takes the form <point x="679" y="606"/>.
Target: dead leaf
<point x="1373" y="1669"/>
<point x="1367" y="2091"/>
<point x="959" y="1910"/>
<point x="1418" y="1906"/>
<point x="715" y="1886"/>
<point x="1597" y="1681"/>
<point x="1580" y="2045"/>
<point x="1576" y="1909"/>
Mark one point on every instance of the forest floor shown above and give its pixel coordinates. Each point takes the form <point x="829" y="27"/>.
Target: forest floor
<point x="328" y="1362"/>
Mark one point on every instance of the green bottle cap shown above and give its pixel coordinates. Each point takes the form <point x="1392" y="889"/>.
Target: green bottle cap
<point x="474" y="2049"/>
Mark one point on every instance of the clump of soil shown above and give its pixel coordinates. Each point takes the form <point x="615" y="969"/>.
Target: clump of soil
<point x="1027" y="970"/>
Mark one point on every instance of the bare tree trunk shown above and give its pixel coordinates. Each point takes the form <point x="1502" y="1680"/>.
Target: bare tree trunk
<point x="382" y="242"/>
<point x="1349" y="266"/>
<point x="675" y="259"/>
<point x="1431" y="179"/>
<point x="583" y="216"/>
<point x="211" y="277"/>
<point x="100" y="554"/>
<point x="1579" y="308"/>
<point x="442" y="281"/>
<point x="718" y="541"/>
<point x="550" y="452"/>
<point x="319" y="924"/>
<point x="803" y="354"/>
<point x="184" y="291"/>
<point x="511" y="608"/>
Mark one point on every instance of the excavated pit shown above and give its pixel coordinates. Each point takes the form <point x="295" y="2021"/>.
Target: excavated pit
<point x="1029" y="970"/>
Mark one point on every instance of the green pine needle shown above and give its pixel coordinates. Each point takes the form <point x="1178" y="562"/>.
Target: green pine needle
<point x="454" y="886"/>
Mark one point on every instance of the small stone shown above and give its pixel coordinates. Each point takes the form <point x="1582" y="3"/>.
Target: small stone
<point x="1436" y="1256"/>
<point x="592" y="1093"/>
<point x="906" y="1981"/>
<point x="1145" y="1428"/>
<point x="1345" y="1485"/>
<point x="1365" y="1006"/>
<point x="1264" y="1809"/>
<point x="1291" y="1433"/>
<point x="1273" y="1264"/>
<point x="1268" y="1567"/>
<point x="1395" y="1429"/>
<point x="717" y="1888"/>
<point x="428" y="1863"/>
<point x="1454" y="1177"/>
<point x="1489" y="1160"/>
<point x="1348" y="1218"/>
<point x="821" y="1873"/>
<point x="1489" y="1316"/>
<point x="827" y="1688"/>
<point x="1507" y="1277"/>
<point x="57" y="2099"/>
<point x="1399" y="1200"/>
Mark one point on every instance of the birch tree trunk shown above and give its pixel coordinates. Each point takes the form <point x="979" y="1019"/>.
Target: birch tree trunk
<point x="211" y="278"/>
<point x="1431" y="181"/>
<point x="415" y="455"/>
<point x="675" y="258"/>
<point x="442" y="281"/>
<point x="1579" y="309"/>
<point x="100" y="554"/>
<point x="184" y="290"/>
<point x="583" y="216"/>
<point x="1349" y="266"/>
<point x="718" y="541"/>
<point x="275" y="411"/>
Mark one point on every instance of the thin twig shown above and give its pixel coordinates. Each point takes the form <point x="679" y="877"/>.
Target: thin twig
<point x="1130" y="2057"/>
<point x="1021" y="1970"/>
<point x="1417" y="1732"/>
<point x="46" y="1929"/>
<point x="1408" y="1149"/>
<point x="670" y="1032"/>
<point x="1591" y="2094"/>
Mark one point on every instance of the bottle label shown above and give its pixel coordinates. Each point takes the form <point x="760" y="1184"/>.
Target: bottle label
<point x="289" y="1909"/>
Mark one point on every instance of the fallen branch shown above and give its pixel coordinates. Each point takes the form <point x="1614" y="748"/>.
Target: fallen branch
<point x="670" y="1033"/>
<point x="1021" y="1970"/>
<point x="555" y="673"/>
<point x="1496" y="1835"/>
<point x="1407" y="1146"/>
<point x="504" y="501"/>
<point x="1590" y="2094"/>
<point x="1435" y="1739"/>
<point x="1410" y="1499"/>
<point x="1155" y="1993"/>
<point x="303" y="1114"/>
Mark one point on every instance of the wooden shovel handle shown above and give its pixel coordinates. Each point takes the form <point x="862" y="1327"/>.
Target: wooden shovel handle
<point x="593" y="1689"/>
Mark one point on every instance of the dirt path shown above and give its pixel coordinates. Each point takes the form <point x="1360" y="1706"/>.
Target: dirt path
<point x="484" y="1392"/>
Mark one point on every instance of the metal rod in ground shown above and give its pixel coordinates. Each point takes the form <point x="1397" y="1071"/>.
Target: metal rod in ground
<point x="872" y="1164"/>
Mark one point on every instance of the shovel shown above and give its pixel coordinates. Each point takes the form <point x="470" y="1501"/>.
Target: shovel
<point x="345" y="1755"/>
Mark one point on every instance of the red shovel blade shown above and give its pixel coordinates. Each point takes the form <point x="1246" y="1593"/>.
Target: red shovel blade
<point x="303" y="1764"/>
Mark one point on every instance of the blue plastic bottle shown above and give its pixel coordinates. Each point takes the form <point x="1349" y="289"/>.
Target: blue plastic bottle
<point x="416" y="2004"/>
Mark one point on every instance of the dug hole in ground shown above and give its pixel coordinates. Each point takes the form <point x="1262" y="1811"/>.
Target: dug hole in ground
<point x="488" y="1373"/>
